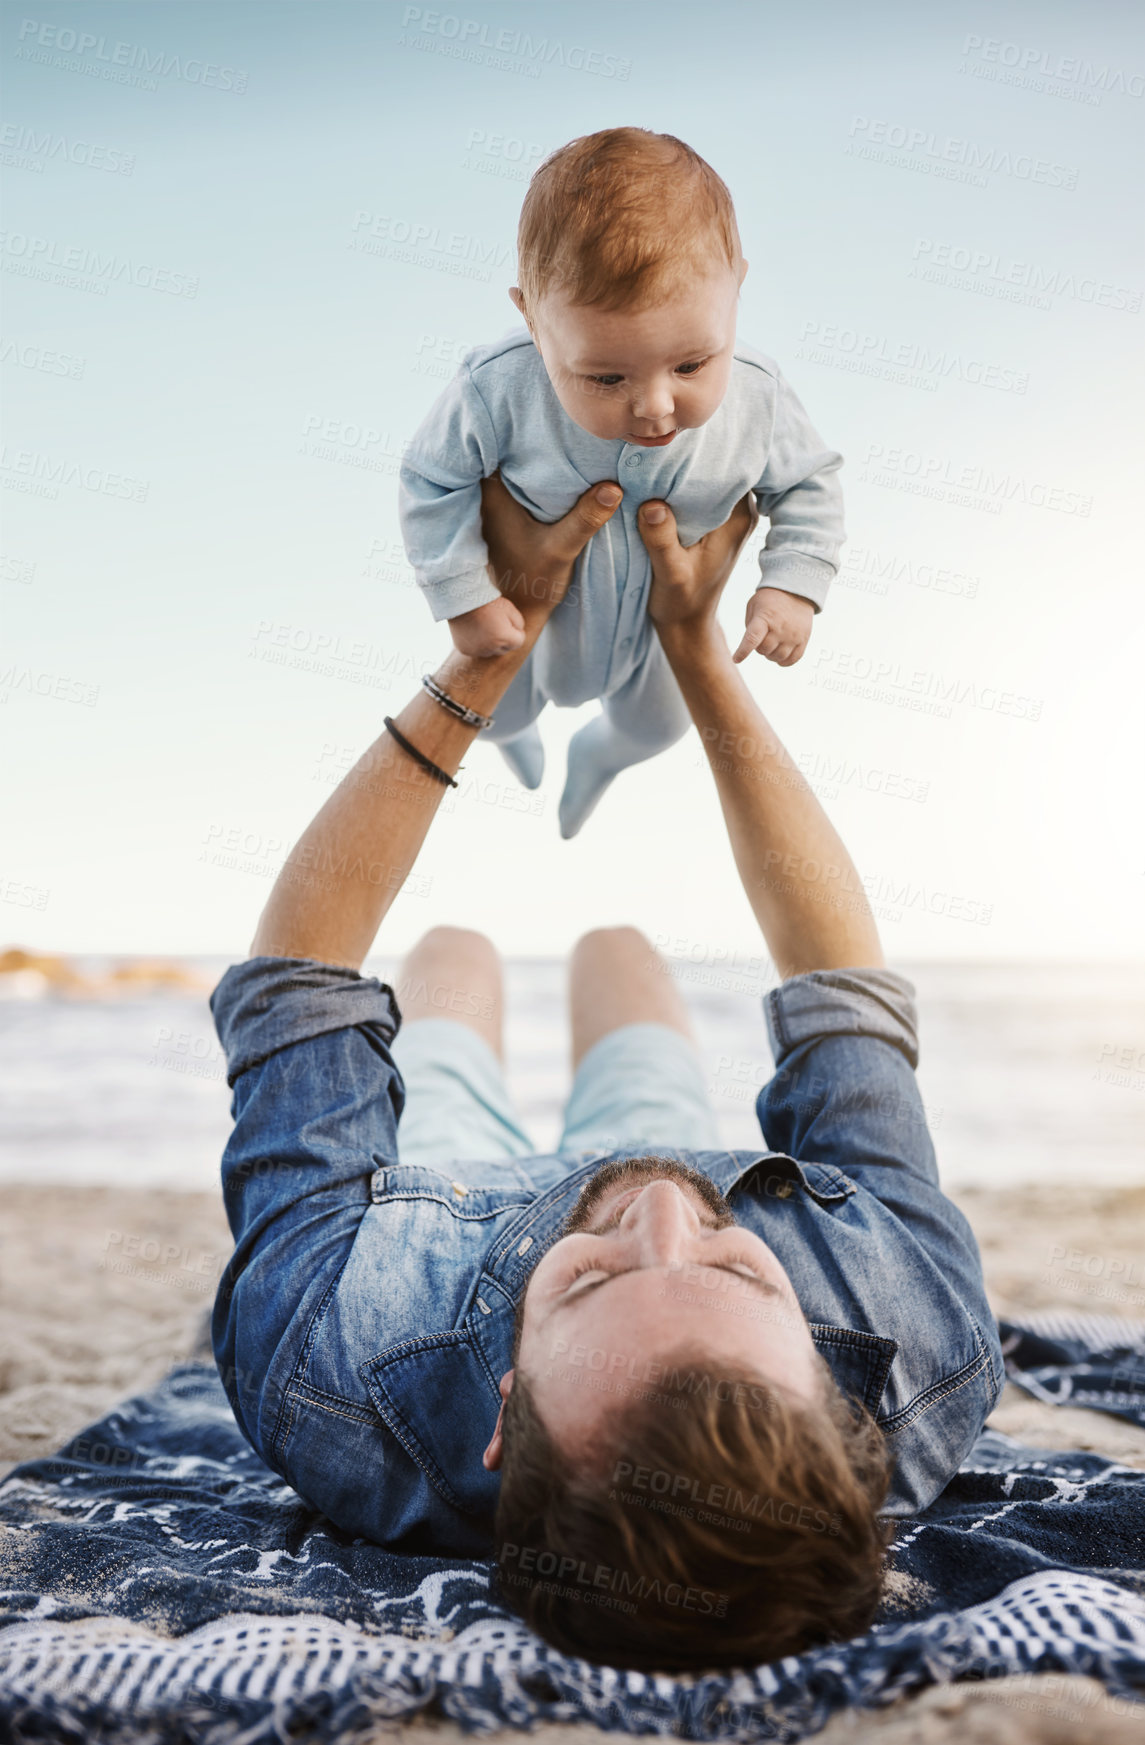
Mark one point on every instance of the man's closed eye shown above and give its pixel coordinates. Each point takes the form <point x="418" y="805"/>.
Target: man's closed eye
<point x="604" y="1275"/>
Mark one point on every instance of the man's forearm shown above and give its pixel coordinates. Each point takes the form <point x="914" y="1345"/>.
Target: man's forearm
<point x="347" y="868"/>
<point x="799" y="878"/>
<point x="352" y="860"/>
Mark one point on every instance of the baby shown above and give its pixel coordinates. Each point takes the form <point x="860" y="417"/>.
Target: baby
<point x="628" y="369"/>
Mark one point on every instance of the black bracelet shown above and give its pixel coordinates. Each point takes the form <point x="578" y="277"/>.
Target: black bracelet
<point x="430" y="768"/>
<point x="468" y="717"/>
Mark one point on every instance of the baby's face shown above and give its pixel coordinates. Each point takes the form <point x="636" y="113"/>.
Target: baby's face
<point x="641" y="376"/>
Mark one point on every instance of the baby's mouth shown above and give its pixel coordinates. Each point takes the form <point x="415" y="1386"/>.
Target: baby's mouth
<point x="653" y="441"/>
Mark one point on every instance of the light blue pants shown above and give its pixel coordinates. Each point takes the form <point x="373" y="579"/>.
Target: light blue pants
<point x="641" y="1085"/>
<point x="645" y="715"/>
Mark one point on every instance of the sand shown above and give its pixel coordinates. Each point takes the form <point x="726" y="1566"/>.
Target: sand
<point x="102" y="1289"/>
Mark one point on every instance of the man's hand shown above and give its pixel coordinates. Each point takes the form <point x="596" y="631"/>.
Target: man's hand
<point x="492" y="629"/>
<point x="778" y="626"/>
<point x="687" y="581"/>
<point x="532" y="561"/>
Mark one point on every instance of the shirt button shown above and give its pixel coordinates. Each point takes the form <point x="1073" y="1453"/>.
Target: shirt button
<point x="634" y="460"/>
<point x="625" y="642"/>
<point x="784" y="1191"/>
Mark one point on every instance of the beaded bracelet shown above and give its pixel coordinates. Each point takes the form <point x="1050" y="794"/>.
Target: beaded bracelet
<point x="427" y="765"/>
<point x="469" y="717"/>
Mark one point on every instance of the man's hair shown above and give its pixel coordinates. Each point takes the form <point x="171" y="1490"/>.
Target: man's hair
<point x="618" y="219"/>
<point x="714" y="1523"/>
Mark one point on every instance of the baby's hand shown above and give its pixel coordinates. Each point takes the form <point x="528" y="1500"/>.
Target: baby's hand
<point x="495" y="628"/>
<point x="778" y="625"/>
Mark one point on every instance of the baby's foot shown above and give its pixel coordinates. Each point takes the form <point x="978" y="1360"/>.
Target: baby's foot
<point x="525" y="756"/>
<point x="592" y="768"/>
<point x="495" y="628"/>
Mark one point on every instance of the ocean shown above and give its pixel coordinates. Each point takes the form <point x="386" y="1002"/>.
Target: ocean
<point x="1030" y="1072"/>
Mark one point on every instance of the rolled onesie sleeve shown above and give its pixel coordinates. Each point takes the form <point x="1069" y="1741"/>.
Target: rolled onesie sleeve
<point x="439" y="500"/>
<point x="800" y="494"/>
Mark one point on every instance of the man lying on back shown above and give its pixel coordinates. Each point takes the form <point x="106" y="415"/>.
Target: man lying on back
<point x="676" y="1391"/>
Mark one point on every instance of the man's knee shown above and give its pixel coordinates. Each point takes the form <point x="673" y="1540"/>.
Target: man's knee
<point x="611" y="942"/>
<point x="460" y="943"/>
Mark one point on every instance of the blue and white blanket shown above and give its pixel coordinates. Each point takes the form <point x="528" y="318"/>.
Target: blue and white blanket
<point x="1079" y="1360"/>
<point x="159" y="1583"/>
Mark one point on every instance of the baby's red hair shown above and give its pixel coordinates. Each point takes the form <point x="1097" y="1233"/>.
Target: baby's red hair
<point x="618" y="219"/>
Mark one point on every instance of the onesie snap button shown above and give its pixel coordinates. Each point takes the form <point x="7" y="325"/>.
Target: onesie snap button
<point x="634" y="460"/>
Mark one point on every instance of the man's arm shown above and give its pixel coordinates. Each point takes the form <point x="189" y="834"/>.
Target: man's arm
<point x="348" y="866"/>
<point x="799" y="878"/>
<point x="844" y="1091"/>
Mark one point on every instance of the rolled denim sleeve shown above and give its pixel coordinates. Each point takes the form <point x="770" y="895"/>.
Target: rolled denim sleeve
<point x="270" y="1003"/>
<point x="842" y="1002"/>
<point x="800" y="494"/>
<point x="844" y="1093"/>
<point x="316" y="1103"/>
<point x="845" y="1044"/>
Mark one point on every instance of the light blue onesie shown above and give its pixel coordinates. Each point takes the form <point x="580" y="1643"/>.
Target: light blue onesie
<point x="500" y="412"/>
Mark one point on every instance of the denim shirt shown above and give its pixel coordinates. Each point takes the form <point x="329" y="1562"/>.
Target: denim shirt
<point x="500" y="412"/>
<point x="366" y="1316"/>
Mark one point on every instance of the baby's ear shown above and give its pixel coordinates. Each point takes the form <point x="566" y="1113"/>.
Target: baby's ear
<point x="518" y="300"/>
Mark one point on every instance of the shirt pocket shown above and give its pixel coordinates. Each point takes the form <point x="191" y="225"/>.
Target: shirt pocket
<point x="413" y="1182"/>
<point x="435" y="1396"/>
<point x="859" y="1361"/>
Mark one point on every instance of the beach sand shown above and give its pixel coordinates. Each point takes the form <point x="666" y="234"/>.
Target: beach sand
<point x="102" y="1289"/>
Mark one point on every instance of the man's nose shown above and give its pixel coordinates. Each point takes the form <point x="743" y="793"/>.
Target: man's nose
<point x="662" y="1221"/>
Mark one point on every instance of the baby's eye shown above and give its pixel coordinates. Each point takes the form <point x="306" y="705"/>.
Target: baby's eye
<point x="606" y="381"/>
<point x="689" y="369"/>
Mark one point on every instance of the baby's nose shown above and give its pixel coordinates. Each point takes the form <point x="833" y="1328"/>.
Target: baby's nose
<point x="655" y="402"/>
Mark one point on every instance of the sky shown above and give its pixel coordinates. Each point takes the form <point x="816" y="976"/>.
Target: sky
<point x="246" y="245"/>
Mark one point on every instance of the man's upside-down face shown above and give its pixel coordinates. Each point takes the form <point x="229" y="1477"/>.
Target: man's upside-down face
<point x="652" y="1264"/>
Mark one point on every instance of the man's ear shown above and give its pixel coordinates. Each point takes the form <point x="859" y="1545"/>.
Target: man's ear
<point x="491" y="1459"/>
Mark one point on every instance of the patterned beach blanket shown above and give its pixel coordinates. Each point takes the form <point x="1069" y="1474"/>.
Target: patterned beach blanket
<point x="160" y="1584"/>
<point x="1079" y="1360"/>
